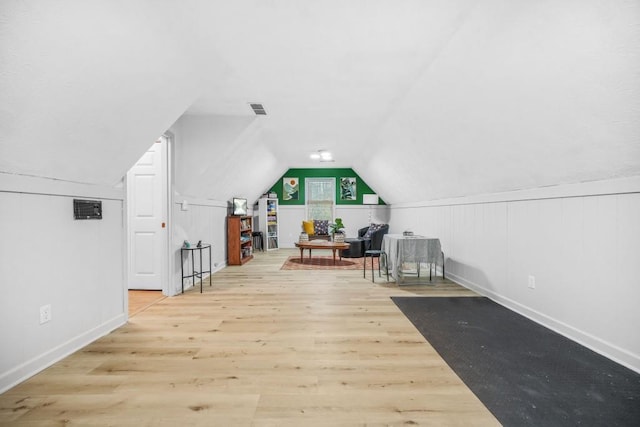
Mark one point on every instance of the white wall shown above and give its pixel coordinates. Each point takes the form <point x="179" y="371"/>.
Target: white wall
<point x="580" y="242"/>
<point x="218" y="158"/>
<point x="47" y="257"/>
<point x="203" y="220"/>
<point x="105" y="80"/>
<point x="203" y="148"/>
<point x="522" y="95"/>
<point x="290" y="224"/>
<point x="353" y="217"/>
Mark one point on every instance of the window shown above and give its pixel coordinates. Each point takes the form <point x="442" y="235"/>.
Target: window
<point x="320" y="194"/>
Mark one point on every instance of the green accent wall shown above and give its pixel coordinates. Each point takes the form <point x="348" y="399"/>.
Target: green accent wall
<point x="301" y="174"/>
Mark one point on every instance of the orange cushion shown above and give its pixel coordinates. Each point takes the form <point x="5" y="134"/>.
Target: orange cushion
<point x="308" y="227"/>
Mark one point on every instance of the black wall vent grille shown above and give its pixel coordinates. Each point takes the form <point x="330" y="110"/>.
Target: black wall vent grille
<point x="87" y="209"/>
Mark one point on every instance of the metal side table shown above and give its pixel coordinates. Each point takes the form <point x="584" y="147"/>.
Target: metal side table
<point x="190" y="253"/>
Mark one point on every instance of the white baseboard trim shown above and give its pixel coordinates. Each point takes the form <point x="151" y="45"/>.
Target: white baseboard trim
<point x="219" y="267"/>
<point x="606" y="349"/>
<point x="43" y="361"/>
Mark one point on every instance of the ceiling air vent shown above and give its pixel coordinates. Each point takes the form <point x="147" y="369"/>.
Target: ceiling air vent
<point x="258" y="109"/>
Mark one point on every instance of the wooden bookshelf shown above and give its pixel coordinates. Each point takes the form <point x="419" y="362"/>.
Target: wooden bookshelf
<point x="239" y="239"/>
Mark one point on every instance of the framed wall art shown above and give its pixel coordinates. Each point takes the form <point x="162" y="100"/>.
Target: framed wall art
<point x="347" y="189"/>
<point x="290" y="189"/>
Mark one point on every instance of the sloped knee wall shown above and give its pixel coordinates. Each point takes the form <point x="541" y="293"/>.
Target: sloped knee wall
<point x="581" y="244"/>
<point x="48" y="258"/>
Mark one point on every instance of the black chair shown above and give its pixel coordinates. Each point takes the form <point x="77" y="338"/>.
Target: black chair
<point x="374" y="242"/>
<point x="375" y="253"/>
<point x="360" y="244"/>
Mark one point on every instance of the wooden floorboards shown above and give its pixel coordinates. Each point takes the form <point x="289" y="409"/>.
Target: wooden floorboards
<point x="141" y="300"/>
<point x="261" y="347"/>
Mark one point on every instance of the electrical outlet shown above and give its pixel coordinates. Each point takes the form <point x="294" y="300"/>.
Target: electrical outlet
<point x="45" y="313"/>
<point x="532" y="282"/>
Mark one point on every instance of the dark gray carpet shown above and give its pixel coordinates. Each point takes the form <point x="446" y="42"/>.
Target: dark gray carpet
<point x="524" y="373"/>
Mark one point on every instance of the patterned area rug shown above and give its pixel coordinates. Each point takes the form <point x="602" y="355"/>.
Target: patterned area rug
<point x="326" y="263"/>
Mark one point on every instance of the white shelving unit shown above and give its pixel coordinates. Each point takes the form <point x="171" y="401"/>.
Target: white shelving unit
<point x="268" y="222"/>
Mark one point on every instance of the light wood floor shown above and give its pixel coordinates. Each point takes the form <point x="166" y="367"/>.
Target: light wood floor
<point x="141" y="300"/>
<point x="262" y="347"/>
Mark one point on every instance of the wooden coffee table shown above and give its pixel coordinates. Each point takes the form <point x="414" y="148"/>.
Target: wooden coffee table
<point x="320" y="244"/>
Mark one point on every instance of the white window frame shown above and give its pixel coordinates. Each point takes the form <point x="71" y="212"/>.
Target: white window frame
<point x="329" y="181"/>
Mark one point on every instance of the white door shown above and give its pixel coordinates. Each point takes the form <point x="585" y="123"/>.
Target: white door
<point x="146" y="201"/>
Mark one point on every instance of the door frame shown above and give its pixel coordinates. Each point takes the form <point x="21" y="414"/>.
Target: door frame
<point x="167" y="289"/>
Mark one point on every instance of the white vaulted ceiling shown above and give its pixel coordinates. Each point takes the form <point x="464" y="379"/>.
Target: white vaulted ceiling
<point x="424" y="99"/>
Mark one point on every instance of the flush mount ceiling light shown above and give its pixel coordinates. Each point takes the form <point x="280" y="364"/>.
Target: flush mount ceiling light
<point x="322" y="155"/>
<point x="258" y="109"/>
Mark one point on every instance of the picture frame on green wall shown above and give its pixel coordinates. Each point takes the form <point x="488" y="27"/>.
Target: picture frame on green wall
<point x="290" y="188"/>
<point x="348" y="188"/>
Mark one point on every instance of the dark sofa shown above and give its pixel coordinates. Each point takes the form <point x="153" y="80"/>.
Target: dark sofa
<point x="364" y="244"/>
